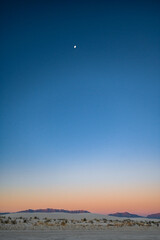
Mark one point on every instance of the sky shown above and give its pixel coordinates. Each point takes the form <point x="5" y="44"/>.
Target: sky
<point x="80" y="127"/>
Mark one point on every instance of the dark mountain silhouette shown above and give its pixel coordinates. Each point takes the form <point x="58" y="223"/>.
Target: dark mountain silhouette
<point x="3" y="213"/>
<point x="125" y="214"/>
<point x="51" y="210"/>
<point x="155" y="215"/>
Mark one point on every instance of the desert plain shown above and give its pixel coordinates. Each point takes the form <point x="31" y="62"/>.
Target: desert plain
<point x="67" y="226"/>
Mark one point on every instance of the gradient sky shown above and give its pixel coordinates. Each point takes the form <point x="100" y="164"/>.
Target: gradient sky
<point x="80" y="128"/>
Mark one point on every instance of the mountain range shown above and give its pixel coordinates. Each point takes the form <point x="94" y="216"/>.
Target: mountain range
<point x="156" y="215"/>
<point x="51" y="210"/>
<point x="125" y="214"/>
<point x="130" y="215"/>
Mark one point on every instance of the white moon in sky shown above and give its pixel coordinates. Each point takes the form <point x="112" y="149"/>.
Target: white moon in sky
<point x="75" y="46"/>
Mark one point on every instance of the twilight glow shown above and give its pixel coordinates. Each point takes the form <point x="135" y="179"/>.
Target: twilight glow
<point x="80" y="128"/>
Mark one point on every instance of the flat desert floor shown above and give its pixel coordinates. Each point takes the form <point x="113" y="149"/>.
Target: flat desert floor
<point x="115" y="234"/>
<point x="63" y="226"/>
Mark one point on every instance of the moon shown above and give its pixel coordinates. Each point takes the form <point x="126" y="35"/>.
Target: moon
<point x="74" y="46"/>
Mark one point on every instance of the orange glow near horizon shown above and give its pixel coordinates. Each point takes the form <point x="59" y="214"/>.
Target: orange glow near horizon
<point x="140" y="202"/>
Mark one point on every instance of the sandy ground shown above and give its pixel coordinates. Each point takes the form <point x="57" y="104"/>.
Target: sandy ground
<point x="66" y="226"/>
<point x="80" y="234"/>
<point x="78" y="216"/>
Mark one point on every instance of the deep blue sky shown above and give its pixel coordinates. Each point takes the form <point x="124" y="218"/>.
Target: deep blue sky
<point x="98" y="103"/>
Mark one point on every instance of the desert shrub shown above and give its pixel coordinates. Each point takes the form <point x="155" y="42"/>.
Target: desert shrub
<point x="84" y="219"/>
<point x="25" y="220"/>
<point x="110" y="225"/>
<point x="36" y="217"/>
<point x="104" y="220"/>
<point x="63" y="223"/>
<point x="6" y="221"/>
<point x="14" y="221"/>
<point x="130" y="224"/>
<point x="1" y="220"/>
<point x="140" y="224"/>
<point x="47" y="220"/>
<point x="38" y="223"/>
<point x="50" y="224"/>
<point x="119" y="224"/>
<point x="97" y="220"/>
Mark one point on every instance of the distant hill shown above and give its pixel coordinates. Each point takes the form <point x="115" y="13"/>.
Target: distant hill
<point x="3" y="213"/>
<point x="125" y="214"/>
<point x="51" y="210"/>
<point x="156" y="215"/>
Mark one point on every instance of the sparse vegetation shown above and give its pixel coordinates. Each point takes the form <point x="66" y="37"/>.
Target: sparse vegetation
<point x="63" y="223"/>
<point x="1" y="220"/>
<point x="91" y="221"/>
<point x="14" y="221"/>
<point x="6" y="221"/>
<point x="47" y="220"/>
<point x="97" y="220"/>
<point x="110" y="225"/>
<point x="35" y="223"/>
